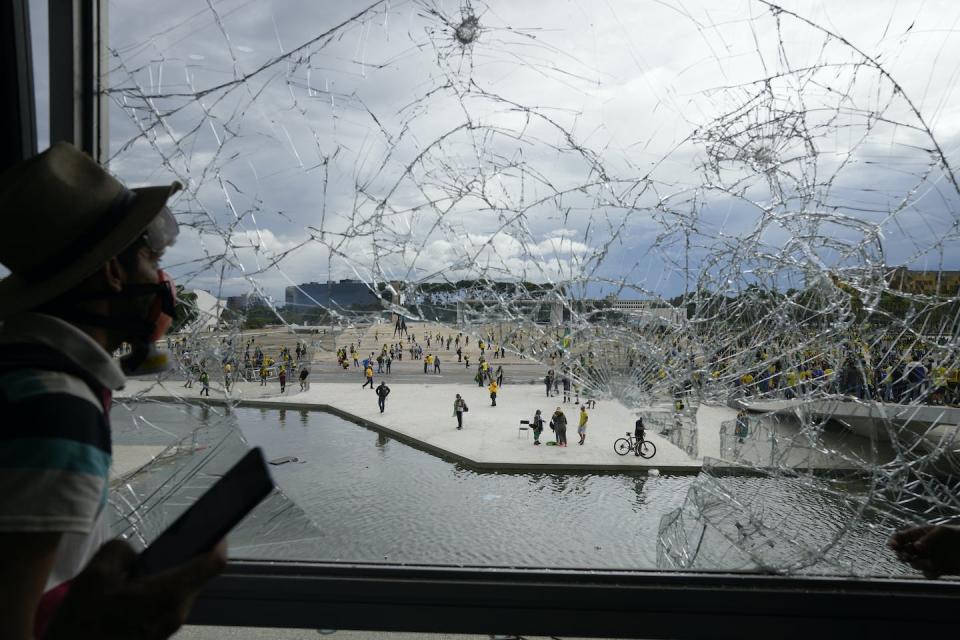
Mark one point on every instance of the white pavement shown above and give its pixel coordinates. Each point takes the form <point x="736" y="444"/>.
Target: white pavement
<point x="423" y="413"/>
<point x="128" y="458"/>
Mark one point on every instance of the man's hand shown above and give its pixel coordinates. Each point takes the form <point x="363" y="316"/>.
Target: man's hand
<point x="932" y="549"/>
<point x="106" y="602"/>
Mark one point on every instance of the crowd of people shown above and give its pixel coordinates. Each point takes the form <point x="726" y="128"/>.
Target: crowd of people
<point x="884" y="372"/>
<point x="198" y="355"/>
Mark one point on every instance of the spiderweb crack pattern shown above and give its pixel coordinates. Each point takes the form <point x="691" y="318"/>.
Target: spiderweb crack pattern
<point x="765" y="238"/>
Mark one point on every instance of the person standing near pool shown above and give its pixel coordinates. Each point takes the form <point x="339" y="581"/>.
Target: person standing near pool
<point x="304" y="385"/>
<point x="582" y="426"/>
<point x="537" y="425"/>
<point x="560" y="427"/>
<point x="459" y="408"/>
<point x="640" y="434"/>
<point x="82" y="254"/>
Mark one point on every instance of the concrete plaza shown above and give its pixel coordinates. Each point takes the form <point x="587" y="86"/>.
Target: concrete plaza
<point x="422" y="415"/>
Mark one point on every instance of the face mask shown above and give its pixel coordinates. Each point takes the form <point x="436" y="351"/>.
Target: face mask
<point x="145" y="358"/>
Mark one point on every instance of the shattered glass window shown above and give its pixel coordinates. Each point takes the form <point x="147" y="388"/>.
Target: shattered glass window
<point x="736" y="221"/>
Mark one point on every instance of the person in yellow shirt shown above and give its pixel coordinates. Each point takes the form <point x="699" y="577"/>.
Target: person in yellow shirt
<point x="953" y="385"/>
<point x="746" y="381"/>
<point x="939" y="393"/>
<point x="791" y="391"/>
<point x="582" y="426"/>
<point x="493" y="388"/>
<point x="369" y="375"/>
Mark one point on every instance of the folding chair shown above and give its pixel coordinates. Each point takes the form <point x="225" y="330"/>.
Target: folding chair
<point x="524" y="426"/>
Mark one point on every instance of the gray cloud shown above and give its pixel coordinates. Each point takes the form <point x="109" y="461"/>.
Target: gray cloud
<point x="344" y="137"/>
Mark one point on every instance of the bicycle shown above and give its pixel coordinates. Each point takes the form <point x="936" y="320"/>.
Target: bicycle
<point x="645" y="448"/>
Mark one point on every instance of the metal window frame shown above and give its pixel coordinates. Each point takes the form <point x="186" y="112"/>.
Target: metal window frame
<point x="583" y="603"/>
<point x="18" y="140"/>
<point x="79" y="75"/>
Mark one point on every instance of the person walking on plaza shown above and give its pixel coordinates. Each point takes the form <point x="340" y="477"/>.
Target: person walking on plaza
<point x="479" y="377"/>
<point x="382" y="392"/>
<point x="459" y="408"/>
<point x="493" y="388"/>
<point x="82" y="277"/>
<point x="459" y="354"/>
<point x="282" y="377"/>
<point x="389" y="362"/>
<point x="205" y="383"/>
<point x="582" y="426"/>
<point x="559" y="422"/>
<point x="426" y="362"/>
<point x="436" y="364"/>
<point x="537" y="427"/>
<point x="548" y="381"/>
<point x="566" y="388"/>
<point x="304" y="385"/>
<point x="264" y="372"/>
<point x="369" y="375"/>
<point x="499" y="375"/>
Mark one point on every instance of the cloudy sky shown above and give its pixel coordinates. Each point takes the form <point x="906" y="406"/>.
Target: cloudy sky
<point x="635" y="147"/>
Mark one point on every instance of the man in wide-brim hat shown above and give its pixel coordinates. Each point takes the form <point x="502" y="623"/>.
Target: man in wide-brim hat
<point x="83" y="256"/>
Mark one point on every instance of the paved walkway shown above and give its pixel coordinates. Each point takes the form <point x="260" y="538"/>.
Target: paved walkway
<point x="423" y="415"/>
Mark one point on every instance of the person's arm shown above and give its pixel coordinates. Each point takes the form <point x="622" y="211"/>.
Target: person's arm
<point x="105" y="602"/>
<point x="23" y="576"/>
<point x="932" y="549"/>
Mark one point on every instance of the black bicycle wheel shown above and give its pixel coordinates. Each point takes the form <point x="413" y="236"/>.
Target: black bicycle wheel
<point x="647" y="449"/>
<point x="622" y="446"/>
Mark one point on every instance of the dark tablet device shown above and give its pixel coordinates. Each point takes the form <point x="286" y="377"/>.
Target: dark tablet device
<point x="211" y="517"/>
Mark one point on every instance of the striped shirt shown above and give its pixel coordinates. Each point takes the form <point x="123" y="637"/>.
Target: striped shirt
<point x="55" y="446"/>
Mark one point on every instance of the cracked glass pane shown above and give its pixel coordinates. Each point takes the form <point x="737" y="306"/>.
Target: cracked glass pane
<point x="737" y="223"/>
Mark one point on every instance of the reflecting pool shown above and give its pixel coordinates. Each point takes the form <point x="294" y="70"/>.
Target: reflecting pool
<point x="371" y="498"/>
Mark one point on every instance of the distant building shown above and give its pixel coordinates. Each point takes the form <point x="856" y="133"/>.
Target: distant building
<point x="345" y="293"/>
<point x="944" y="283"/>
<point x="209" y="308"/>
<point x="639" y="311"/>
<point x="649" y="310"/>
<point x="245" y="302"/>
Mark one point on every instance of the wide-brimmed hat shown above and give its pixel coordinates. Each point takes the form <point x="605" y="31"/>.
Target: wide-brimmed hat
<point x="63" y="217"/>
